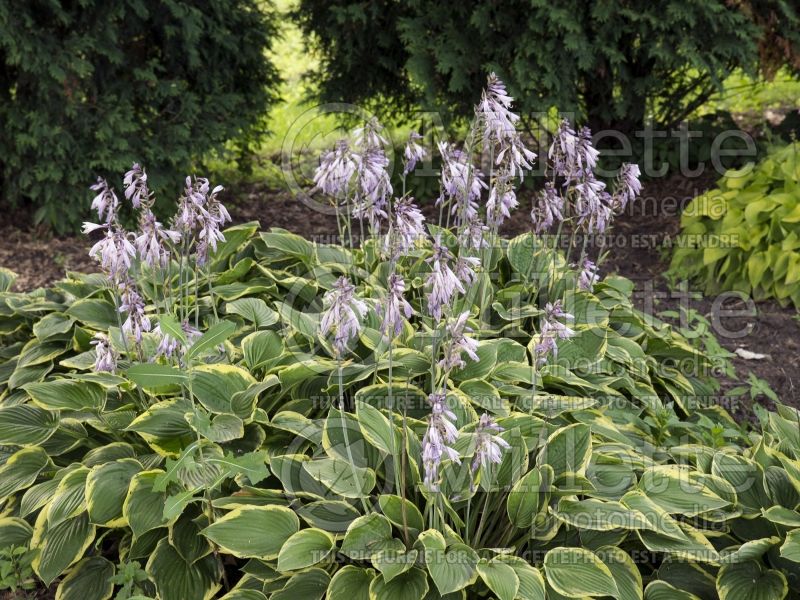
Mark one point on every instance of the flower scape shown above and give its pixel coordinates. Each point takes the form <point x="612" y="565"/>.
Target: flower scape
<point x="426" y="410"/>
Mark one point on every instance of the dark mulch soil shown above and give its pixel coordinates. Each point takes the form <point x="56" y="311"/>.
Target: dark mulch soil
<point x="638" y="250"/>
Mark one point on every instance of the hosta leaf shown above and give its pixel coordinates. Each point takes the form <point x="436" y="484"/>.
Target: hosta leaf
<point x="528" y="496"/>
<point x="66" y="394"/>
<point x="531" y="582"/>
<point x="311" y="584"/>
<point x="215" y="336"/>
<point x="377" y="429"/>
<point x="51" y="325"/>
<point x="350" y="583"/>
<point x="60" y="546"/>
<point x="253" y="310"/>
<point x="164" y="427"/>
<point x="574" y="572"/>
<point x="366" y="536"/>
<point x="215" y="385"/>
<point x="175" y="579"/>
<point x="599" y="515"/>
<point x="261" y="347"/>
<point x="451" y="569"/>
<point x="21" y="470"/>
<point x="143" y="508"/>
<point x="69" y="499"/>
<point x="624" y="570"/>
<point x="791" y="547"/>
<point x="244" y="594"/>
<point x="97" y="314"/>
<point x="401" y="512"/>
<point x="500" y="578"/>
<point x="254" y="532"/>
<point x="750" y="581"/>
<point x="15" y="531"/>
<point x="154" y="376"/>
<point x="752" y="550"/>
<point x="329" y="515"/>
<point x="411" y="585"/>
<point x="567" y="451"/>
<point x="783" y="516"/>
<point x="170" y="326"/>
<point x="106" y="489"/>
<point x="305" y="548"/>
<point x="89" y="580"/>
<point x="7" y="279"/>
<point x="677" y="490"/>
<point x="341" y="477"/>
<point x="661" y="590"/>
<point x="394" y="562"/>
<point x="26" y="425"/>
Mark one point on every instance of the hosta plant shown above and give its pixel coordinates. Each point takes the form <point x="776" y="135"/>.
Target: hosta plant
<point x="745" y="235"/>
<point x="429" y="412"/>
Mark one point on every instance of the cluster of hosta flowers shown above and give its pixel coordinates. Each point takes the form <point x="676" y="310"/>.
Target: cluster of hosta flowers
<point x="343" y="314"/>
<point x="441" y="431"/>
<point x="124" y="255"/>
<point x="478" y="200"/>
<point x="552" y="330"/>
<point x="574" y="190"/>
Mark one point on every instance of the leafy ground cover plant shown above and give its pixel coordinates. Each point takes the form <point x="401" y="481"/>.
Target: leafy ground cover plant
<point x="744" y="235"/>
<point x="420" y="412"/>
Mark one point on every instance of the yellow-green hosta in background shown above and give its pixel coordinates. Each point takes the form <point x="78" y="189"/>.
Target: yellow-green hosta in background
<point x="745" y="235"/>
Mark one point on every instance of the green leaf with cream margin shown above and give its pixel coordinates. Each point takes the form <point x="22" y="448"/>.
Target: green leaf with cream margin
<point x="254" y="532"/>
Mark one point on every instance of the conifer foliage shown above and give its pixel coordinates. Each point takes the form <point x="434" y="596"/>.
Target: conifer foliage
<point x="87" y="88"/>
<point x="612" y="63"/>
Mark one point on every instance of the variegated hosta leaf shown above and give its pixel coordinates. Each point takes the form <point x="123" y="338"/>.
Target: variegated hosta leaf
<point x="750" y="580"/>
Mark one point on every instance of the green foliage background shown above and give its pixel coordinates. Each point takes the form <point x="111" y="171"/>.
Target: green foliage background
<point x="87" y="88"/>
<point x="611" y="62"/>
<point x="745" y="235"/>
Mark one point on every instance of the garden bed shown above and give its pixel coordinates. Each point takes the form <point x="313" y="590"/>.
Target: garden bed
<point x="40" y="258"/>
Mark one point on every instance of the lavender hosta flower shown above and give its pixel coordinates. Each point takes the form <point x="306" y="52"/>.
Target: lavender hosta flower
<point x="413" y="153"/>
<point x="494" y="112"/>
<point x="461" y="183"/>
<point x="407" y="227"/>
<point x="136" y="190"/>
<point x="342" y="315"/>
<point x="563" y="153"/>
<point x="457" y="344"/>
<point x="548" y="209"/>
<point x="593" y="204"/>
<point x="336" y="171"/>
<point x="442" y="281"/>
<point x="552" y="330"/>
<point x="105" y="202"/>
<point x="395" y="307"/>
<point x="152" y="240"/>
<point x="515" y="157"/>
<point x="114" y="251"/>
<point x="465" y="269"/>
<point x="369" y="136"/>
<point x="169" y="346"/>
<point x="194" y="197"/>
<point x="132" y="303"/>
<point x="588" y="276"/>
<point x="628" y="186"/>
<point x="212" y="217"/>
<point x="441" y="431"/>
<point x="373" y="187"/>
<point x="489" y="446"/>
<point x="502" y="200"/>
<point x="473" y="234"/>
<point x="105" y="356"/>
<point x="586" y="152"/>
